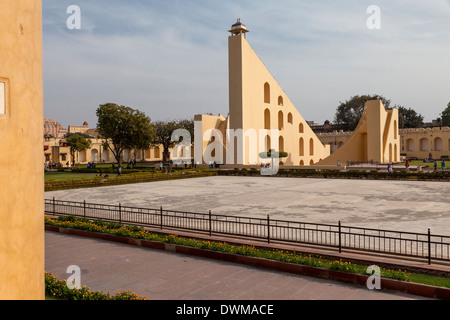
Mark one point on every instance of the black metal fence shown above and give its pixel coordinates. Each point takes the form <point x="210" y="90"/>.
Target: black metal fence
<point x="397" y="243"/>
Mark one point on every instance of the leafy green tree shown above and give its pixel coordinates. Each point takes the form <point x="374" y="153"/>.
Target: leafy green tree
<point x="408" y="118"/>
<point x="77" y="143"/>
<point x="163" y="134"/>
<point x="123" y="128"/>
<point x="143" y="140"/>
<point x="349" y="113"/>
<point x="445" y="116"/>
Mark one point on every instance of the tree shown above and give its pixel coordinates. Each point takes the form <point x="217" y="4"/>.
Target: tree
<point x="77" y="142"/>
<point x="349" y="113"/>
<point x="143" y="140"/>
<point x="445" y="116"/>
<point x="408" y="118"/>
<point x="163" y="134"/>
<point x="123" y="128"/>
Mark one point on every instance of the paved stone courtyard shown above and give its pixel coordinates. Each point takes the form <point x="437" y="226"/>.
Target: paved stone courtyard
<point x="393" y="205"/>
<point x="411" y="206"/>
<point x="162" y="275"/>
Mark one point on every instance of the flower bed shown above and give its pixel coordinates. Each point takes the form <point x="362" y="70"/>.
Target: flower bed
<point x="136" y="232"/>
<point x="56" y="288"/>
<point x="280" y="260"/>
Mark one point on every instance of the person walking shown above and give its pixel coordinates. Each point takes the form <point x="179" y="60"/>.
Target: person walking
<point x="443" y="165"/>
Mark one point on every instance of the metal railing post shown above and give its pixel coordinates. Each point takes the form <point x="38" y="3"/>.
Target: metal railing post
<point x="84" y="208"/>
<point x="340" y="244"/>
<point x="54" y="206"/>
<point x="210" y="224"/>
<point x="161" y="216"/>
<point x="268" y="229"/>
<point x="429" y="246"/>
<point x="120" y="213"/>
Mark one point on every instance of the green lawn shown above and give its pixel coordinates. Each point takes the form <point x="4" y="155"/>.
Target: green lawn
<point x="68" y="175"/>
<point x="428" y="164"/>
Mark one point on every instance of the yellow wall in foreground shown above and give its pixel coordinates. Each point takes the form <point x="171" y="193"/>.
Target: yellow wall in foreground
<point x="21" y="177"/>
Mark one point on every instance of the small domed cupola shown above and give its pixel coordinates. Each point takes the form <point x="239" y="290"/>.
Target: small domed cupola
<point x="238" y="29"/>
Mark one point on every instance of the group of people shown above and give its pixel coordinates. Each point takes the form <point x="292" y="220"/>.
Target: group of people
<point x="213" y="165"/>
<point x="407" y="165"/>
<point x="52" y="165"/>
<point x="91" y="165"/>
<point x="436" y="165"/>
<point x="265" y="165"/>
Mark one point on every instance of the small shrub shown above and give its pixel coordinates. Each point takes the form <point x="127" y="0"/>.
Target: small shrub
<point x="70" y="218"/>
<point x="83" y="219"/>
<point x="113" y="225"/>
<point x="99" y="222"/>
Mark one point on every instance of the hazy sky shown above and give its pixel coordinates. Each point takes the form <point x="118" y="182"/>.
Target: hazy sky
<point x="168" y="58"/>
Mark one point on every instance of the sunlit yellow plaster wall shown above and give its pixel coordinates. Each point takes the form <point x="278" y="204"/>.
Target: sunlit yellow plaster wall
<point x="21" y="177"/>
<point x="248" y="102"/>
<point x="375" y="139"/>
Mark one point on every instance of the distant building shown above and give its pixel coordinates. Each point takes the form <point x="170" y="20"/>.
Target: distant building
<point x="56" y="150"/>
<point x="53" y="129"/>
<point x="431" y="139"/>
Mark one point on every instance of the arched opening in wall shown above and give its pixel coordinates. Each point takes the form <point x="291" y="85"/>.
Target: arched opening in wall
<point x="280" y="120"/>
<point x="138" y="153"/>
<point x="311" y="147"/>
<point x="340" y="144"/>
<point x="267" y="143"/>
<point x="395" y="129"/>
<point x="410" y="145"/>
<point x="302" y="163"/>
<point x="390" y="152"/>
<point x="311" y="162"/>
<point x="395" y="153"/>
<point x="156" y="152"/>
<point x="438" y="146"/>
<point x="301" y="147"/>
<point x="300" y="128"/>
<point x="290" y="118"/>
<point x="280" y="100"/>
<point x="281" y="144"/>
<point x="82" y="156"/>
<point x="424" y="144"/>
<point x="94" y="155"/>
<point x="266" y="92"/>
<point x="147" y="154"/>
<point x="105" y="155"/>
<point x="267" y="119"/>
<point x="213" y="152"/>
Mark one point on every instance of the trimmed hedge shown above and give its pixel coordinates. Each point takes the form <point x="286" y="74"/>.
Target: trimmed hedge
<point x="350" y="174"/>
